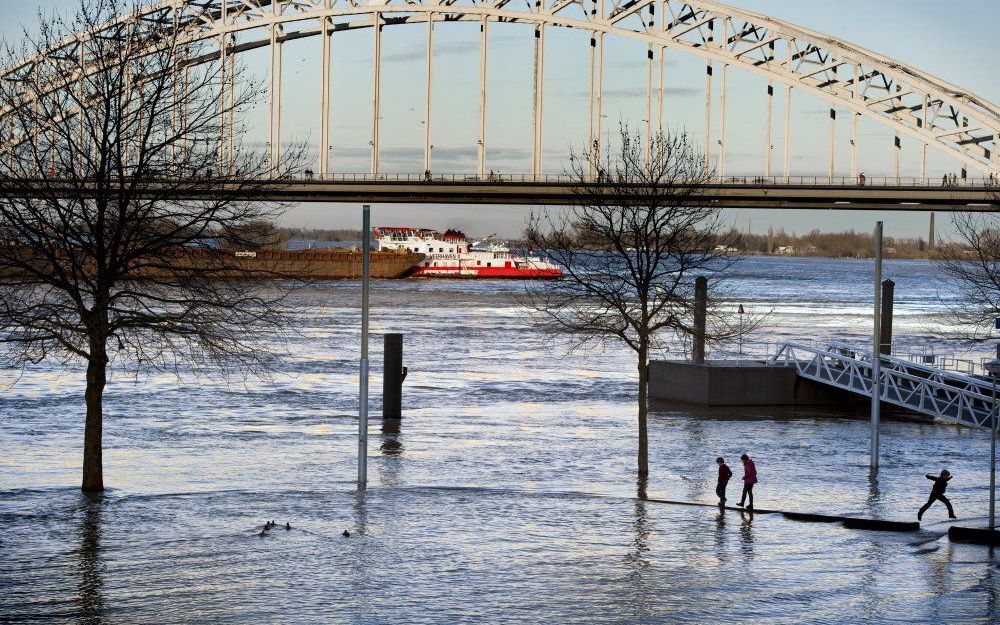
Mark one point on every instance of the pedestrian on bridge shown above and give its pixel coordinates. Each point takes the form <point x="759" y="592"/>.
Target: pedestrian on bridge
<point x="749" y="479"/>
<point x="724" y="474"/>
<point x="937" y="494"/>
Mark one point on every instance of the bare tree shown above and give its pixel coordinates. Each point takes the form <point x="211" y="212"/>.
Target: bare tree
<point x="973" y="261"/>
<point x="639" y="234"/>
<point x="113" y="135"/>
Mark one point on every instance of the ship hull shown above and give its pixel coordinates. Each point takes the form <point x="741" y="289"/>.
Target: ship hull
<point x="500" y="273"/>
<point x="332" y="265"/>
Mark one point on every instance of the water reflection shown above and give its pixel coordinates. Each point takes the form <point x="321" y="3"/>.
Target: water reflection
<point x="990" y="581"/>
<point x="746" y="534"/>
<point x="875" y="555"/>
<point x="873" y="503"/>
<point x="90" y="595"/>
<point x="639" y="565"/>
<point x="721" y="536"/>
<point x="390" y="467"/>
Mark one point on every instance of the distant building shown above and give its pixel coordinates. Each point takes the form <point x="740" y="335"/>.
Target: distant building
<point x="726" y="249"/>
<point x="797" y="250"/>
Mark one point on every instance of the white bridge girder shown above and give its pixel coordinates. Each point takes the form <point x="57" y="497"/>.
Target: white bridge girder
<point x="910" y="102"/>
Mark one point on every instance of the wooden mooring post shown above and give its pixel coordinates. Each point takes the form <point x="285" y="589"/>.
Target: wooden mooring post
<point x="885" y="340"/>
<point x="392" y="377"/>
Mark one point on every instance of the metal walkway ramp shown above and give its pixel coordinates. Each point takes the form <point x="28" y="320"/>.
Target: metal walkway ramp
<point x="927" y="390"/>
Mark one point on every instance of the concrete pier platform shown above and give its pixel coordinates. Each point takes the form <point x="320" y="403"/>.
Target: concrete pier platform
<point x="739" y="383"/>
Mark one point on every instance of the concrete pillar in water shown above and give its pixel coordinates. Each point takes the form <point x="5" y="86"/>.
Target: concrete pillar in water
<point x="885" y="338"/>
<point x="392" y="377"/>
<point x="700" y="305"/>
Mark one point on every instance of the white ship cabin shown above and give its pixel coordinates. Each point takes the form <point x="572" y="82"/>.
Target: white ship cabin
<point x="422" y="241"/>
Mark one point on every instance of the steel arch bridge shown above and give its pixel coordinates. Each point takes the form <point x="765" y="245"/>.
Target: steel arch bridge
<point x="913" y="104"/>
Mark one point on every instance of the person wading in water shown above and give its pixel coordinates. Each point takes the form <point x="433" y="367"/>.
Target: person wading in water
<point x="937" y="494"/>
<point x="749" y="479"/>
<point x="724" y="474"/>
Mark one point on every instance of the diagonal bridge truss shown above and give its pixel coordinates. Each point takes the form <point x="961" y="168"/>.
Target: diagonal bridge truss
<point x="915" y="105"/>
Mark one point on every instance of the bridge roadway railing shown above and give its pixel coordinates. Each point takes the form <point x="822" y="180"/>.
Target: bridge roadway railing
<point x="750" y="180"/>
<point x="927" y="390"/>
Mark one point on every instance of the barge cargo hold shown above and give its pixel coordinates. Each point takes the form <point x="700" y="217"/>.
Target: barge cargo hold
<point x="328" y="264"/>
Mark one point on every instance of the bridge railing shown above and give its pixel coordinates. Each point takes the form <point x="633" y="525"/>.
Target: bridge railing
<point x="739" y="181"/>
<point x="501" y="178"/>
<point x="922" y="388"/>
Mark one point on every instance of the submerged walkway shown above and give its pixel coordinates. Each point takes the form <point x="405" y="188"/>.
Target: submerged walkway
<point x="955" y="533"/>
<point x="852" y="522"/>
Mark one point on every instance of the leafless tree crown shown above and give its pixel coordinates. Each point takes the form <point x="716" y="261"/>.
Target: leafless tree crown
<point x="640" y="232"/>
<point x="109" y="243"/>
<point x="972" y="261"/>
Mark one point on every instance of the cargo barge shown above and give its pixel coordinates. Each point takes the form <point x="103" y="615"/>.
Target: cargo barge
<point x="327" y="264"/>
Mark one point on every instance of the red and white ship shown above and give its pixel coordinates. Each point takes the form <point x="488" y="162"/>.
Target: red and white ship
<point x="452" y="255"/>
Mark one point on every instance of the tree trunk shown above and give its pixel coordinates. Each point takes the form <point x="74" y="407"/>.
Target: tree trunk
<point x="643" y="437"/>
<point x="93" y="468"/>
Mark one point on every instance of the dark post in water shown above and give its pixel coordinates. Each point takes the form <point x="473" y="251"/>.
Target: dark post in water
<point x="700" y="305"/>
<point x="888" y="292"/>
<point x="392" y="378"/>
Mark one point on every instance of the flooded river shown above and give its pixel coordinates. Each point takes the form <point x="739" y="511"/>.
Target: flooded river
<point x="507" y="496"/>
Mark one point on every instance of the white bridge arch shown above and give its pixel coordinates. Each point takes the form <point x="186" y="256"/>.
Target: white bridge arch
<point x="912" y="103"/>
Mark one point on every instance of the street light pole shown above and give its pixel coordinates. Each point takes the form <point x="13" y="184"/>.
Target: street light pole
<point x="993" y="455"/>
<point x="363" y="392"/>
<point x="877" y="348"/>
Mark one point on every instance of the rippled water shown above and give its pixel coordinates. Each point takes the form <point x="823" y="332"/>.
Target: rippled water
<point x="506" y="497"/>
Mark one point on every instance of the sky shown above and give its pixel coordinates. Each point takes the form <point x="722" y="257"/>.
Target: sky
<point x="927" y="34"/>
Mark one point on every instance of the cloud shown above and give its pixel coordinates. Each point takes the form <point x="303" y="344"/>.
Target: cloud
<point x="414" y="53"/>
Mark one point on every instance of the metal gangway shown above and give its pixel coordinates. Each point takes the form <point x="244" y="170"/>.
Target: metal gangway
<point x="921" y="388"/>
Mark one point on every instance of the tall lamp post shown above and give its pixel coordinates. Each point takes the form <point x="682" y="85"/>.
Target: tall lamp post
<point x="366" y="233"/>
<point x="993" y="368"/>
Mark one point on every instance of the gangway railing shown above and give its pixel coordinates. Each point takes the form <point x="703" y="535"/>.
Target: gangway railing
<point x="927" y="390"/>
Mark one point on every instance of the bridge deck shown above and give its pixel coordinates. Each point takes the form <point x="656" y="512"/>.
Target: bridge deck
<point x="801" y="193"/>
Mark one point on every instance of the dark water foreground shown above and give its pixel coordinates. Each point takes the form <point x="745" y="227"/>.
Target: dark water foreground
<point x="506" y="497"/>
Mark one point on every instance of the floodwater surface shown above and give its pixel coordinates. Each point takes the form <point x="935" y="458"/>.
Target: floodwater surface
<point x="506" y="496"/>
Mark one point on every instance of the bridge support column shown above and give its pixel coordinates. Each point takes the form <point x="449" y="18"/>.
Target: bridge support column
<point x="271" y="101"/>
<point x="700" y="313"/>
<point x="708" y="116"/>
<point x="854" y="145"/>
<point x="590" y="106"/>
<point x="769" y="147"/>
<point x="888" y="295"/>
<point x="788" y="131"/>
<point x="596" y="99"/>
<point x="722" y="123"/>
<point x="224" y="112"/>
<point x="427" y="94"/>
<point x="377" y="91"/>
<point x="833" y="142"/>
<point x="659" y="90"/>
<point x="276" y="90"/>
<point x="895" y="157"/>
<point x="923" y="161"/>
<point x="481" y="151"/>
<point x="539" y="97"/>
<point x="324" y="99"/>
<point x="649" y="102"/>
<point x="232" y="110"/>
